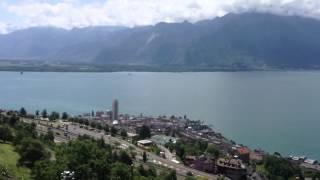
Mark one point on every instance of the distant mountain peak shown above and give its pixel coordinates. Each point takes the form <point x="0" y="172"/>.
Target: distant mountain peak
<point x="247" y="40"/>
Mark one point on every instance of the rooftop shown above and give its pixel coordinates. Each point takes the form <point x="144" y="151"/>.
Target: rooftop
<point x="145" y="141"/>
<point x="230" y="163"/>
<point x="244" y="150"/>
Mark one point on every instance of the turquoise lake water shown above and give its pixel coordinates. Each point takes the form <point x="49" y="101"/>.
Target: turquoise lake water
<point x="276" y="111"/>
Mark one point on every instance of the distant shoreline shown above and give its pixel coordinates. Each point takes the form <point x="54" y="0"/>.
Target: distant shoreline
<point x="135" y="68"/>
<point x="155" y="71"/>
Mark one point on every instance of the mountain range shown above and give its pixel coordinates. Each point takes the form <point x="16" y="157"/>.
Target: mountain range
<point x="248" y="40"/>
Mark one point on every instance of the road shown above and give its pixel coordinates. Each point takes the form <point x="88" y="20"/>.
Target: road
<point x="74" y="131"/>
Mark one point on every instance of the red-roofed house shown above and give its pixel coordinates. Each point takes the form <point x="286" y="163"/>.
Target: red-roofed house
<point x="244" y="154"/>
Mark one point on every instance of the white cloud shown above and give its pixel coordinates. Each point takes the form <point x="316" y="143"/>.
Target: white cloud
<point x="73" y="13"/>
<point x="3" y="28"/>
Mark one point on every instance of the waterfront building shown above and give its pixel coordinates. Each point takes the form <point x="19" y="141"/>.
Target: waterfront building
<point x="244" y="154"/>
<point x="232" y="168"/>
<point x="115" y="110"/>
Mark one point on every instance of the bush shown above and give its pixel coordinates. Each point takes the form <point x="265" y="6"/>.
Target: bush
<point x="30" y="151"/>
<point x="5" y="134"/>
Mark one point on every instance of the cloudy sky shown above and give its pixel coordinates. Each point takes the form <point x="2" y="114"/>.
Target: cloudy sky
<point x="17" y="14"/>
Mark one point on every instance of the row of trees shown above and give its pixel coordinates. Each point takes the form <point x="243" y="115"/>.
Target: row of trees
<point x="52" y="116"/>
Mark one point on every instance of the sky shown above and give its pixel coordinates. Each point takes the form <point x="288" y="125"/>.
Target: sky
<point x="68" y="14"/>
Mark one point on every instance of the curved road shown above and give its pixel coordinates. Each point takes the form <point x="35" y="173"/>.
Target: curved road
<point x="74" y="131"/>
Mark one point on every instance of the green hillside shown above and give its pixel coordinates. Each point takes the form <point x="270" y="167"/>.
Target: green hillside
<point x="8" y="161"/>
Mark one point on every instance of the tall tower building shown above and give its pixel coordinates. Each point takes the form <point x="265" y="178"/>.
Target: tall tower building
<point x="115" y="110"/>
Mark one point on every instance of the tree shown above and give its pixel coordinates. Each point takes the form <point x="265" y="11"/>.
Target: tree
<point x="144" y="156"/>
<point x="144" y="132"/>
<point x="37" y="113"/>
<point x="189" y="173"/>
<point x="120" y="171"/>
<point x="85" y="158"/>
<point x="123" y="133"/>
<point x="44" y="113"/>
<point x="125" y="158"/>
<point x="152" y="171"/>
<point x="89" y="160"/>
<point x="180" y="151"/>
<point x="54" y="115"/>
<point x="93" y="124"/>
<point x="278" y="166"/>
<point x="106" y="128"/>
<point x="113" y="131"/>
<point x="13" y="120"/>
<point x="65" y="116"/>
<point x="81" y="121"/>
<point x="202" y="145"/>
<point x="142" y="171"/>
<point x="86" y="122"/>
<point x="30" y="151"/>
<point x="190" y="178"/>
<point x="47" y="169"/>
<point x="316" y="175"/>
<point x="23" y="112"/>
<point x="101" y="142"/>
<point x="5" y="134"/>
<point x="171" y="176"/>
<point x="99" y="126"/>
<point x="213" y="150"/>
<point x="49" y="137"/>
<point x="24" y="130"/>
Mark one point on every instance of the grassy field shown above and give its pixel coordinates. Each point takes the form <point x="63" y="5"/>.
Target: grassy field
<point x="9" y="159"/>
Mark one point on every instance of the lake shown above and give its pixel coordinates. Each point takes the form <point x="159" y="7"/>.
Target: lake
<point x="276" y="111"/>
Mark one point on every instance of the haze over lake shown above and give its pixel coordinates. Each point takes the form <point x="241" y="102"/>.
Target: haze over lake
<point x="276" y="111"/>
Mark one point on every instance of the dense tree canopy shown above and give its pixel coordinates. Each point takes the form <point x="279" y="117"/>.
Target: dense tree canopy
<point x="23" y="112"/>
<point x="30" y="151"/>
<point x="144" y="132"/>
<point x="120" y="171"/>
<point x="65" y="116"/>
<point x="54" y="115"/>
<point x="5" y="133"/>
<point x="44" y="113"/>
<point x="279" y="167"/>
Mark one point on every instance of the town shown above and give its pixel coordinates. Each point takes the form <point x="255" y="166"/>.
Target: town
<point x="188" y="147"/>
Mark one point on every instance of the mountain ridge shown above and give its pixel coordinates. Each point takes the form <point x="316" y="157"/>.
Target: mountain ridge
<point x="248" y="40"/>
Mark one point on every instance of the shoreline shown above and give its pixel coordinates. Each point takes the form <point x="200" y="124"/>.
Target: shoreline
<point x="159" y="71"/>
<point x="290" y="156"/>
<point x="41" y="66"/>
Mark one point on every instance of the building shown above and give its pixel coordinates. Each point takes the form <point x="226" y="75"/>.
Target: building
<point x="115" y="110"/>
<point x="257" y="155"/>
<point x="232" y="168"/>
<point x="189" y="160"/>
<point x="310" y="161"/>
<point x="163" y="140"/>
<point x="109" y="114"/>
<point x="244" y="154"/>
<point x="204" y="163"/>
<point x="132" y="136"/>
<point x="99" y="114"/>
<point x="145" y="143"/>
